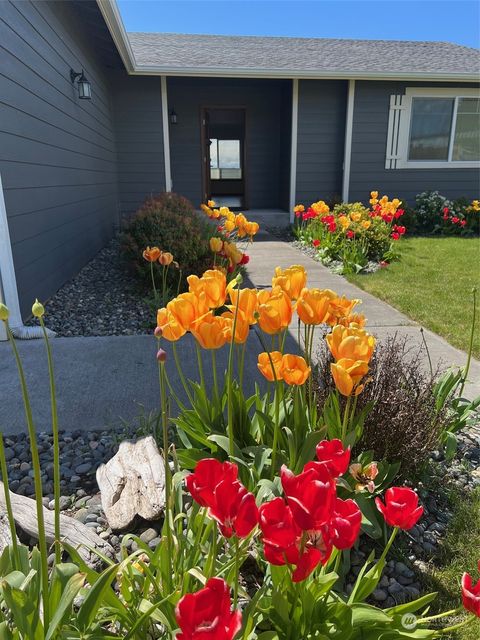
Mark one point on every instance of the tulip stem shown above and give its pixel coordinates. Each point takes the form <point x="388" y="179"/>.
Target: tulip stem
<point x="200" y="365"/>
<point x="237" y="573"/>
<point x="42" y="541"/>
<point x="168" y="480"/>
<point x="454" y="627"/>
<point x="56" y="445"/>
<point x="389" y="544"/>
<point x="8" y="504"/>
<point x="438" y="616"/>
<point x="214" y="373"/>
<point x="229" y="379"/>
<point x="470" y="348"/>
<point x="276" y="426"/>
<point x="180" y="373"/>
<point x="346" y="415"/>
<point x="153" y="282"/>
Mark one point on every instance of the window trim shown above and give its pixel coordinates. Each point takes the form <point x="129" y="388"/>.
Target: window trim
<point x="404" y="130"/>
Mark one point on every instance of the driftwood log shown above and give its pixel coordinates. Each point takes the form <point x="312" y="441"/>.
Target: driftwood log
<point x="133" y="483"/>
<point x="5" y="532"/>
<point x="73" y="532"/>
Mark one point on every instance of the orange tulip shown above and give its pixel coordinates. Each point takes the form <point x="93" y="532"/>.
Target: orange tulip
<point x="313" y="305"/>
<point x="350" y="342"/>
<point x="274" y="310"/>
<point x="229" y="225"/>
<point x="347" y="375"/>
<point x="242" y="327"/>
<point x="188" y="307"/>
<point x="213" y="284"/>
<point x="211" y="203"/>
<point x="295" y="369"/>
<point x="339" y="308"/>
<point x="265" y="361"/>
<point x="232" y="252"/>
<point x="151" y="255"/>
<point x="354" y="318"/>
<point x="209" y="331"/>
<point x="291" y="280"/>
<point x="172" y="330"/>
<point x="216" y="245"/>
<point x="165" y="258"/>
<point x="251" y="228"/>
<point x="247" y="301"/>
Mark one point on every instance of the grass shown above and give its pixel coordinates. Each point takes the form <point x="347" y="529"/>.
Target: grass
<point x="460" y="552"/>
<point x="432" y="284"/>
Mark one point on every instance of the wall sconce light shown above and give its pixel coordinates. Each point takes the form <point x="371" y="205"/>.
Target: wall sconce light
<point x="84" y="86"/>
<point x="173" y="117"/>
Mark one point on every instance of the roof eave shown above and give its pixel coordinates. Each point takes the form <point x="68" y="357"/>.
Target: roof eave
<point x="114" y="23"/>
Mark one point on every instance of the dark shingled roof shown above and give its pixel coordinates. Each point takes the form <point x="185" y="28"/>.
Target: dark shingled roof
<point x="303" y="56"/>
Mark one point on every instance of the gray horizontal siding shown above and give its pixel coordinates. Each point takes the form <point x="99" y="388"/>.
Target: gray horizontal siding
<point x="369" y="142"/>
<point x="266" y="125"/>
<point x="320" y="142"/>
<point x="139" y="136"/>
<point x="57" y="153"/>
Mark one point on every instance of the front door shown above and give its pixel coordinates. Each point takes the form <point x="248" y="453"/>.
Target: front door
<point x="223" y="141"/>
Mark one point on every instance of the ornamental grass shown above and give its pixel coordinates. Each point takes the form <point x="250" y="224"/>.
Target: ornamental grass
<point x="269" y="479"/>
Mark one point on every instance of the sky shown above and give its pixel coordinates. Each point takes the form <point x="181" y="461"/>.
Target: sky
<point x="445" y="20"/>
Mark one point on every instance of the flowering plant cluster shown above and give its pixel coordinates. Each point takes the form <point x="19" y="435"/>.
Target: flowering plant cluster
<point x="352" y="234"/>
<point x="231" y="229"/>
<point x="434" y="213"/>
<point x="264" y="480"/>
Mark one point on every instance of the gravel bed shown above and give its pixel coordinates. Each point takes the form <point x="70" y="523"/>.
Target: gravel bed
<point x="82" y="452"/>
<point x="104" y="299"/>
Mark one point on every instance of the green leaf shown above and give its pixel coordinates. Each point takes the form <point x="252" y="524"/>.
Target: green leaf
<point x="72" y="587"/>
<point x="94" y="599"/>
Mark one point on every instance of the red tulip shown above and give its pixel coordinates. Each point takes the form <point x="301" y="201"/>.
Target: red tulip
<point x="332" y="454"/>
<point x="401" y="507"/>
<point x="208" y="473"/>
<point x="310" y="496"/>
<point x="471" y="593"/>
<point x="206" y="614"/>
<point x="344" y="527"/>
<point x="234" y="509"/>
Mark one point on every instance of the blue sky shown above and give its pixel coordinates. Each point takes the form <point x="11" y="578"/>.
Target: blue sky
<point x="448" y="20"/>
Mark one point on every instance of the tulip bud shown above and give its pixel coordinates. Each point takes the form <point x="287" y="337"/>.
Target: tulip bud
<point x="161" y="355"/>
<point x="239" y="278"/>
<point x="4" y="312"/>
<point x="158" y="332"/>
<point x="38" y="309"/>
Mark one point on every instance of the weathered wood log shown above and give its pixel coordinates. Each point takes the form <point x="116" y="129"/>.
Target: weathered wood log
<point x="5" y="532"/>
<point x="133" y="483"/>
<point x="72" y="532"/>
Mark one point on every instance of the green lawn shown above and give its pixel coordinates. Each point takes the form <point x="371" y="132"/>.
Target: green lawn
<point x="432" y="284"/>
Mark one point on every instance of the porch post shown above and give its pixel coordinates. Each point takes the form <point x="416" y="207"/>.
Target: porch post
<point x="166" y="135"/>
<point x="293" y="148"/>
<point x="347" y="156"/>
<point x="8" y="282"/>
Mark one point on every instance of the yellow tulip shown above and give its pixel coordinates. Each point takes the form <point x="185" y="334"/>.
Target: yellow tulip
<point x="231" y="251"/>
<point x="265" y="362"/>
<point x="347" y="375"/>
<point x="313" y="305"/>
<point x="246" y="299"/>
<point x="295" y="369"/>
<point x="356" y="216"/>
<point x="209" y="332"/>
<point x="187" y="308"/>
<point x="211" y="203"/>
<point x="274" y="310"/>
<point x="216" y="245"/>
<point x="350" y="342"/>
<point x="344" y="221"/>
<point x="213" y="284"/>
<point x="251" y="228"/>
<point x="151" y="254"/>
<point x="374" y="194"/>
<point x="366" y="224"/>
<point x="229" y="225"/>
<point x="291" y="280"/>
<point x="339" y="308"/>
<point x="172" y="330"/>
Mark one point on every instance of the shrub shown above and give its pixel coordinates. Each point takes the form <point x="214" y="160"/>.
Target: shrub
<point x="169" y="222"/>
<point x="352" y="233"/>
<point x="403" y="424"/>
<point x="437" y="214"/>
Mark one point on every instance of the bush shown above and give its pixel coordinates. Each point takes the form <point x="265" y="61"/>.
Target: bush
<point x="402" y="424"/>
<point x="436" y="214"/>
<point x="169" y="222"/>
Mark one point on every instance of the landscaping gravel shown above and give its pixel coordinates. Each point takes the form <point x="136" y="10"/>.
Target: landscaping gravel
<point x="82" y="452"/>
<point x="104" y="299"/>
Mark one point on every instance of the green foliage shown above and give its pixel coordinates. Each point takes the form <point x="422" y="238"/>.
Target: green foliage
<point x="436" y="214"/>
<point x="169" y="222"/>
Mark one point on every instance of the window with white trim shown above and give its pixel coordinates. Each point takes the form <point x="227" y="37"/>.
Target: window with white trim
<point x="434" y="128"/>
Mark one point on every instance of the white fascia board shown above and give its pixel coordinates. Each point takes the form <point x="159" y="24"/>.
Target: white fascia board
<point x="113" y="20"/>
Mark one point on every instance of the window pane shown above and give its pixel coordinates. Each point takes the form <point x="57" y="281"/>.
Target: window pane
<point x="430" y="128"/>
<point x="466" y="145"/>
<point x="229" y="154"/>
<point x="214" y="153"/>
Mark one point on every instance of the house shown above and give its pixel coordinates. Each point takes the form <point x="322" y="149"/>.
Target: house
<point x="93" y="120"/>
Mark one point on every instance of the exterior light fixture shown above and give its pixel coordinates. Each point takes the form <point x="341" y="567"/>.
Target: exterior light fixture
<point x="84" y="86"/>
<point x="173" y="117"/>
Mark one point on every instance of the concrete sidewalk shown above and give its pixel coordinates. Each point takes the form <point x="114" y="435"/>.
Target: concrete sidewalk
<point x="267" y="252"/>
<point x="101" y="380"/>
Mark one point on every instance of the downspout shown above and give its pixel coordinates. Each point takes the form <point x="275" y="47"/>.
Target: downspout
<point x="8" y="283"/>
<point x="347" y="157"/>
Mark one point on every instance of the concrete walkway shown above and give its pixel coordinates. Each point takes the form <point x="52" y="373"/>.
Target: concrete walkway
<point x="267" y="252"/>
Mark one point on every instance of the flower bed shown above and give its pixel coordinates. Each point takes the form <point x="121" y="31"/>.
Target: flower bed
<point x="269" y="479"/>
<point x="435" y="214"/>
<point x="351" y="234"/>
